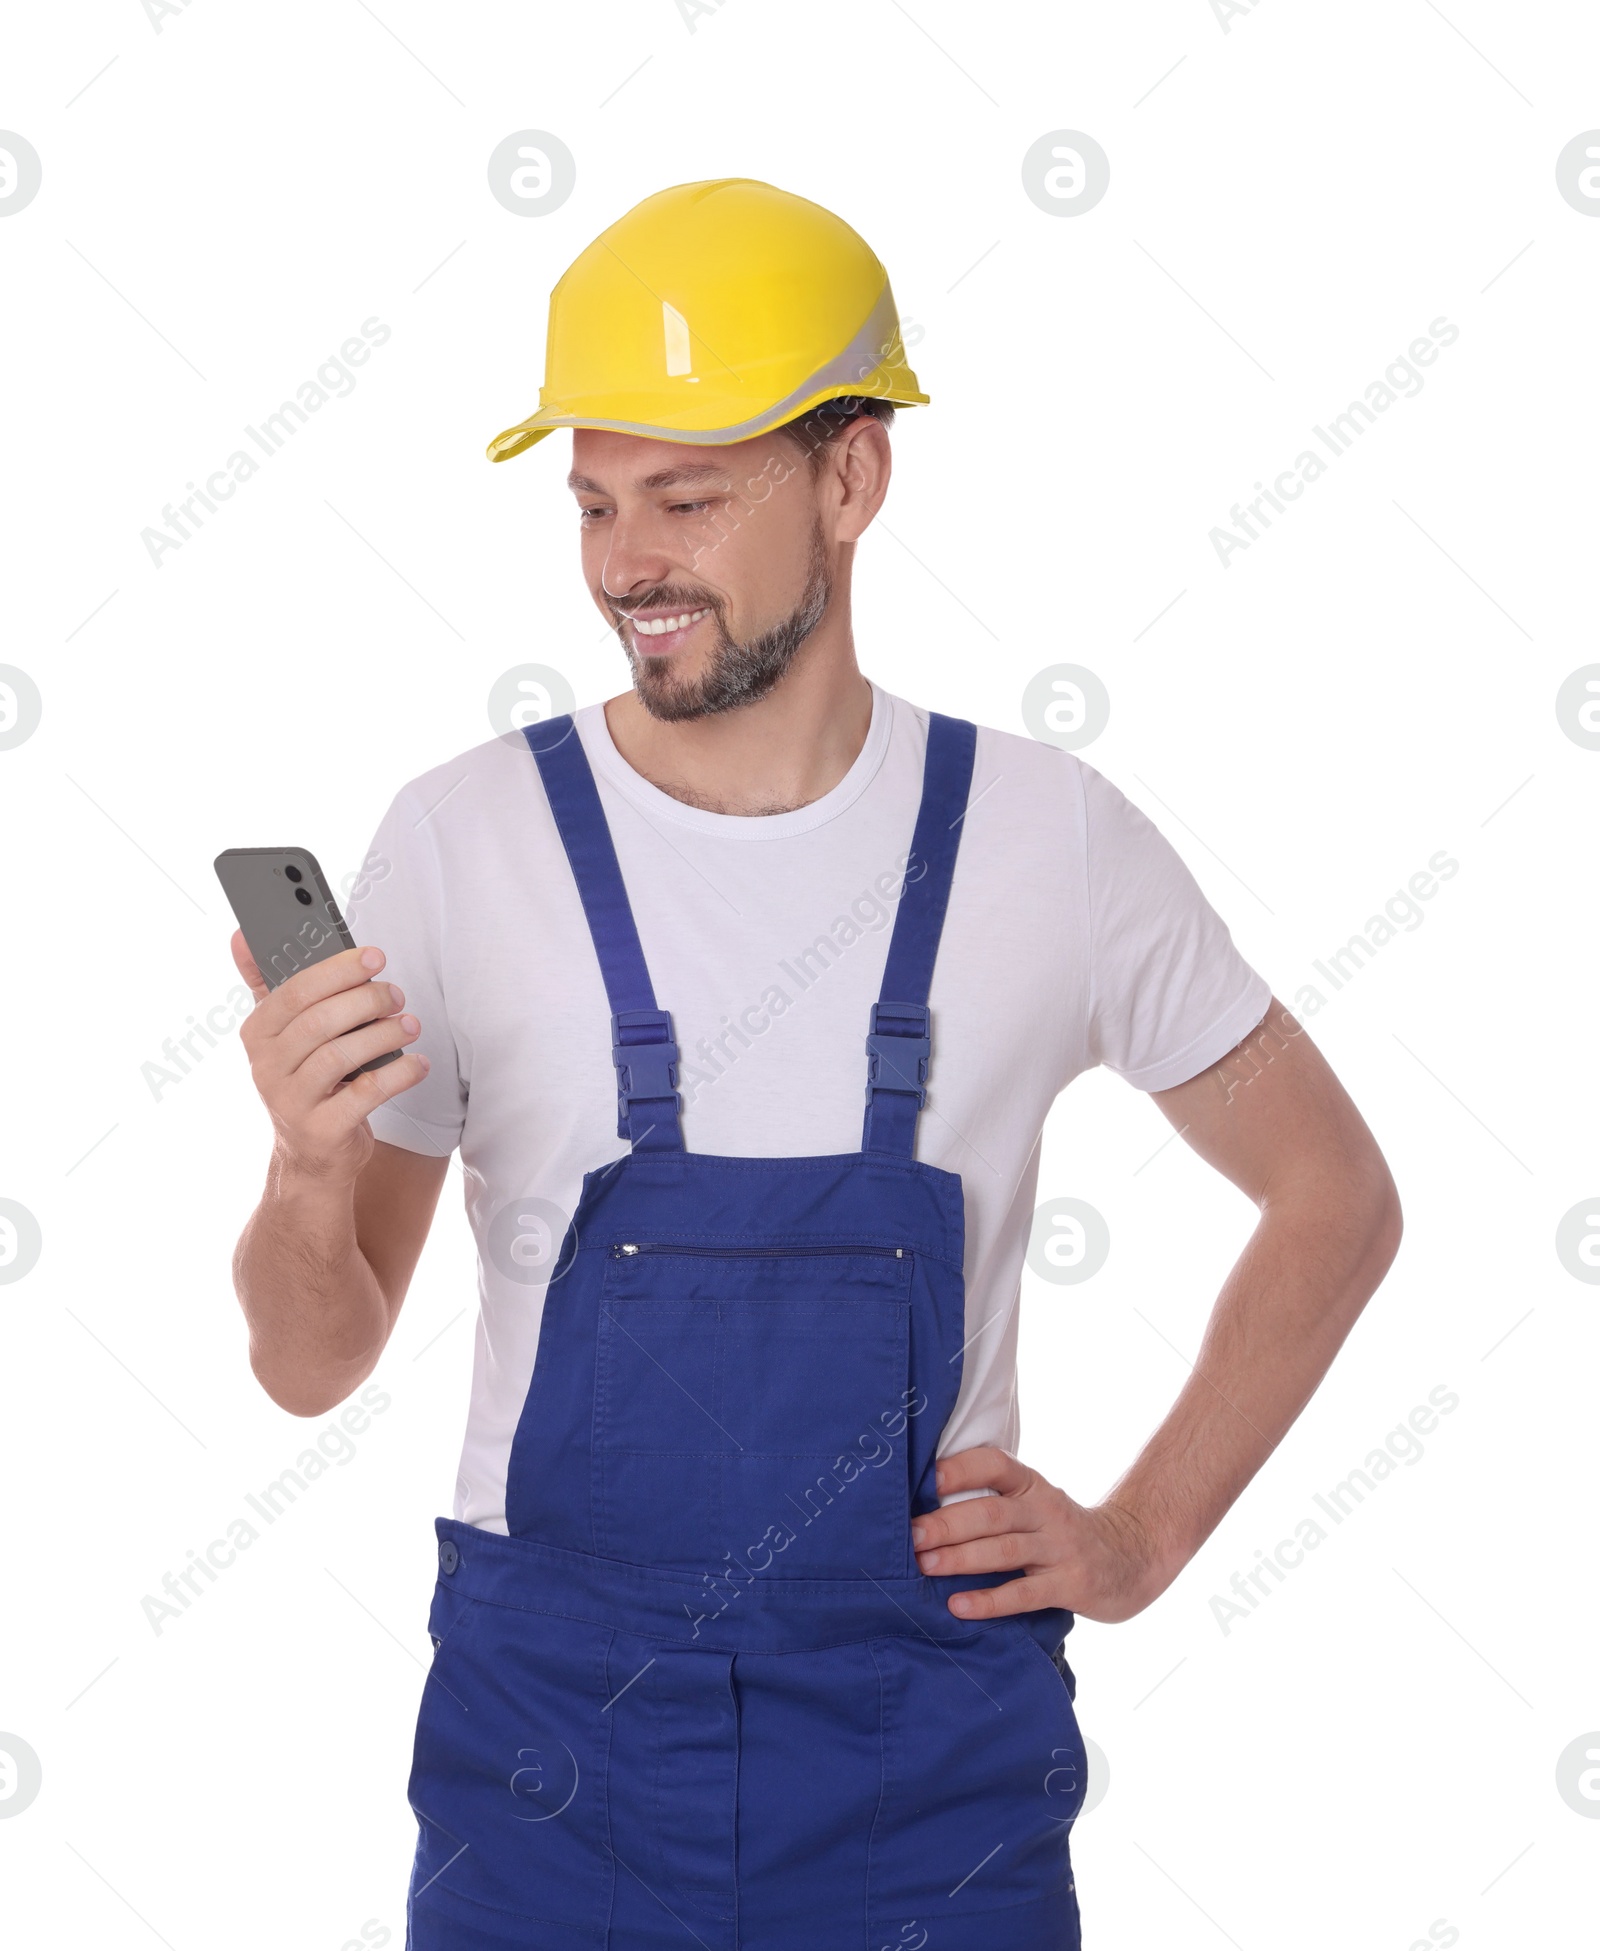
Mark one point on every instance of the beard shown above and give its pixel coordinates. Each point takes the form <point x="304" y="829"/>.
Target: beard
<point x="735" y="673"/>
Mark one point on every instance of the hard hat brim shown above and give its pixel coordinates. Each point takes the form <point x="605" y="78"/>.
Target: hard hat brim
<point x="516" y="440"/>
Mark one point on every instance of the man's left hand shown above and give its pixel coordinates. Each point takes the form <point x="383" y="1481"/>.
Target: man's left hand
<point x="1093" y="1559"/>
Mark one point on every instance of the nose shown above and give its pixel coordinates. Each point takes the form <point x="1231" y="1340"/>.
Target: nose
<point x="636" y="558"/>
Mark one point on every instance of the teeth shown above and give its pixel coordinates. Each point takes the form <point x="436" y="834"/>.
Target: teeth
<point x="659" y="626"/>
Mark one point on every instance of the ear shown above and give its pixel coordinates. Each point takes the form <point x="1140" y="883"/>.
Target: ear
<point x="859" y="466"/>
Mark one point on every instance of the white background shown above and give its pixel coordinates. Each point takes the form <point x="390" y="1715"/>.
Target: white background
<point x="1374" y="1747"/>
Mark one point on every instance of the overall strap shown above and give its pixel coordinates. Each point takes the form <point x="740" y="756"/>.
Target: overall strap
<point x="641" y="1035"/>
<point x="900" y="1041"/>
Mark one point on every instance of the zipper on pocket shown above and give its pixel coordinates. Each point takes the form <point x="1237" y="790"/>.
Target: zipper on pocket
<point x="629" y="1248"/>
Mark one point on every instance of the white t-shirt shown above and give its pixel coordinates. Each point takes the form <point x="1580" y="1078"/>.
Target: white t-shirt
<point x="1075" y="936"/>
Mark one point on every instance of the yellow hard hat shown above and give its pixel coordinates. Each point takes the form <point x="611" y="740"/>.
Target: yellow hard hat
<point x="713" y="312"/>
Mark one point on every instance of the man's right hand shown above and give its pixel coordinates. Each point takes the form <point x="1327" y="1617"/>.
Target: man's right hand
<point x="302" y="1039"/>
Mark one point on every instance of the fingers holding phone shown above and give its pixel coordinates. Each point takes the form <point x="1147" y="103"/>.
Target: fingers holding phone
<point x="310" y="1041"/>
<point x="325" y="1040"/>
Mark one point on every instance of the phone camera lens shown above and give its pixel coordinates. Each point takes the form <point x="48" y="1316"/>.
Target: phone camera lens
<point x="301" y="895"/>
<point x="294" y="873"/>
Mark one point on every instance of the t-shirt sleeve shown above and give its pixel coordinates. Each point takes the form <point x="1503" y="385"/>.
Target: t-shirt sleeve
<point x="397" y="905"/>
<point x="1169" y="993"/>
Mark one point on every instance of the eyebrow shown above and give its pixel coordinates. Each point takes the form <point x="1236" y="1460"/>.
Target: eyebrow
<point x="668" y="477"/>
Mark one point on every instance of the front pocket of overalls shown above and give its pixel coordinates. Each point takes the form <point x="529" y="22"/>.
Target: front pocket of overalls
<point x="1066" y="1781"/>
<point x="751" y="1409"/>
<point x="509" y="1768"/>
<point x="983" y="1773"/>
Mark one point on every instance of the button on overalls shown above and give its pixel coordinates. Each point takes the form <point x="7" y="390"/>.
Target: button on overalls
<point x="701" y="1694"/>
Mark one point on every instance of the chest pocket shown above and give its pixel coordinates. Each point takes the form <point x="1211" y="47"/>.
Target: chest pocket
<point x="751" y="1409"/>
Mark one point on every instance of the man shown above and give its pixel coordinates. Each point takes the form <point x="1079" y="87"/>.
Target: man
<point x="748" y="1291"/>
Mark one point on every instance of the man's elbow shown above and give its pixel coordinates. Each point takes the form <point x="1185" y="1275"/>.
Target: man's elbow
<point x="303" y="1394"/>
<point x="1378" y="1222"/>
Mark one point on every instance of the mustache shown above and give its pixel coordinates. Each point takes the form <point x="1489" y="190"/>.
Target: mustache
<point x="665" y="596"/>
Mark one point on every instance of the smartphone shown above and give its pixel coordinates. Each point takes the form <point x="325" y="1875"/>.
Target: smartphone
<point x="290" y="919"/>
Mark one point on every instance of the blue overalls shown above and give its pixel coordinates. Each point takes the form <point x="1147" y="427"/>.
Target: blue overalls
<point x="702" y="1694"/>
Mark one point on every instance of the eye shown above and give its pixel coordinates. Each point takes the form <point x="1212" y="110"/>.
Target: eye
<point x="586" y="515"/>
<point x="689" y="507"/>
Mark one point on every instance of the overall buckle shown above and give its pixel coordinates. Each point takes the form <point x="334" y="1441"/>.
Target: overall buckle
<point x="898" y="1049"/>
<point x="647" y="1068"/>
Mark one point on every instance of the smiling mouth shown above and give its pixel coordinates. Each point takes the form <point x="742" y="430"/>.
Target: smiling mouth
<point x="667" y="626"/>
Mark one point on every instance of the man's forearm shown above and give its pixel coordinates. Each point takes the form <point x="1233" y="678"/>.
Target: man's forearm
<point x="317" y="1314"/>
<point x="1309" y="1268"/>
